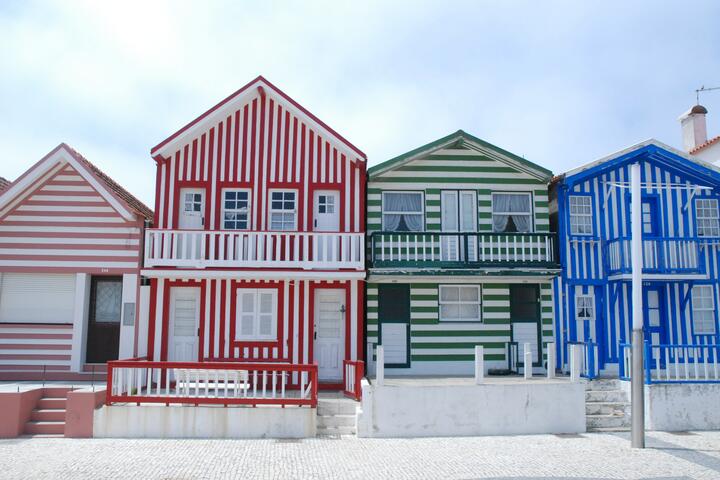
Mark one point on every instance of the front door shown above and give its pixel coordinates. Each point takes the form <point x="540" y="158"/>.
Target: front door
<point x="184" y="320"/>
<point x="330" y="333"/>
<point x="394" y="318"/>
<point x="653" y="314"/>
<point x="327" y="211"/>
<point x="103" y="338"/>
<point x="525" y="318"/>
<point x="458" y="214"/>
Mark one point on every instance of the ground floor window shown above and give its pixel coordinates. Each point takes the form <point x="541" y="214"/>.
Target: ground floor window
<point x="585" y="307"/>
<point x="460" y="303"/>
<point x="256" y="314"/>
<point x="703" y="310"/>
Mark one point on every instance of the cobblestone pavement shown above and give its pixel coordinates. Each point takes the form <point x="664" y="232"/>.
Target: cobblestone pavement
<point x="596" y="456"/>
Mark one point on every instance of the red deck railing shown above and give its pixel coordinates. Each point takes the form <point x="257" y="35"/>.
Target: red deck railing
<point x="211" y="383"/>
<point x="353" y="372"/>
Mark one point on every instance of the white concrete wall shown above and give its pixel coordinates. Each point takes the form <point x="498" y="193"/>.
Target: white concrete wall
<point x="457" y="410"/>
<point x="681" y="406"/>
<point x="127" y="332"/>
<point x="159" y="421"/>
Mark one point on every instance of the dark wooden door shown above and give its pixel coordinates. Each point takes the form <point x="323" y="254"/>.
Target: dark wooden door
<point x="103" y="338"/>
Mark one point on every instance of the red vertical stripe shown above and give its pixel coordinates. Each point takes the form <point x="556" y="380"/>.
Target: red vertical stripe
<point x="165" y="322"/>
<point x="245" y="161"/>
<point x="203" y="286"/>
<point x="360" y="320"/>
<point x="202" y="156"/>
<point x="347" y="320"/>
<point x="237" y="146"/>
<point x="151" y="320"/>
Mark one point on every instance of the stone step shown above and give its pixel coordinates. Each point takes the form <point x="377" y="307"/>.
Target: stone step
<point x="336" y="406"/>
<point x="608" y="429"/>
<point x="607" y="421"/>
<point x="605" y="396"/>
<point x="336" y="421"/>
<point x="603" y="384"/>
<point x="335" y="431"/>
<point x="55" y="392"/>
<point x="48" y="415"/>
<point x="606" y="408"/>
<point x="51" y="403"/>
<point x="34" y="428"/>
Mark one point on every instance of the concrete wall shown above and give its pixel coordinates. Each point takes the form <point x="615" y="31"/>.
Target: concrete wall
<point x="79" y="412"/>
<point x="681" y="406"/>
<point x="457" y="410"/>
<point x="159" y="421"/>
<point x="15" y="410"/>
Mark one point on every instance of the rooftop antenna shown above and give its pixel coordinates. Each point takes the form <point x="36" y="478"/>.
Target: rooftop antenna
<point x="703" y="89"/>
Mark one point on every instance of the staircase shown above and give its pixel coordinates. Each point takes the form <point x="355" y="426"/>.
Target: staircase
<point x="606" y="406"/>
<point x="336" y="414"/>
<point x="48" y="417"/>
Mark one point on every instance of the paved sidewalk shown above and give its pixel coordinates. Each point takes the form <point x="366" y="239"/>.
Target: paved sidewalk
<point x="592" y="456"/>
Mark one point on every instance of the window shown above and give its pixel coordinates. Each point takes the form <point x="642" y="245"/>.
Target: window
<point x="257" y="314"/>
<point x="706" y="213"/>
<point x="584" y="307"/>
<point x="581" y="215"/>
<point x="236" y="209"/>
<point x="283" y="210"/>
<point x="402" y="211"/>
<point x="460" y="303"/>
<point x="193" y="202"/>
<point x="511" y="212"/>
<point x="326" y="203"/>
<point x="703" y="310"/>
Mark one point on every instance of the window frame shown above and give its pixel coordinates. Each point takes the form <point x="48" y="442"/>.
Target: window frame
<point x="697" y="217"/>
<point x="587" y="296"/>
<point x="256" y="337"/>
<point x="711" y="309"/>
<point x="479" y="303"/>
<point x="383" y="212"/>
<point x="223" y="210"/>
<point x="531" y="213"/>
<point x="591" y="215"/>
<point x="283" y="211"/>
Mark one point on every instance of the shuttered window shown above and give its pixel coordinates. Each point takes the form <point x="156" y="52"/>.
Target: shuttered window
<point x="256" y="314"/>
<point x="37" y="298"/>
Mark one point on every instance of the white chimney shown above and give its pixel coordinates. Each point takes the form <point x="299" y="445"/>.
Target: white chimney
<point x="694" y="127"/>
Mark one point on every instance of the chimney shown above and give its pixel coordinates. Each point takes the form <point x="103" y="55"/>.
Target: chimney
<point x="694" y="128"/>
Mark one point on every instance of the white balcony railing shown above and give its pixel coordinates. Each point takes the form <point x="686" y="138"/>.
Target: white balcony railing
<point x="223" y="248"/>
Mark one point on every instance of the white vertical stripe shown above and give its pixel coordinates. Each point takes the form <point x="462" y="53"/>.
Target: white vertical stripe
<point x="239" y="164"/>
<point x="228" y="292"/>
<point x="291" y="142"/>
<point x="206" y="156"/>
<point x="162" y="218"/>
<point x="231" y="146"/>
<point x="301" y="148"/>
<point x="213" y="176"/>
<point x="221" y="150"/>
<point x="171" y="194"/>
<point x="273" y="157"/>
<point x="356" y="200"/>
<point x="353" y="319"/>
<point x="314" y="160"/>
<point x="181" y="166"/>
<point x="280" y="153"/>
<point x="256" y="160"/>
<point x="306" y="323"/>
<point x="188" y="172"/>
<point x="206" y="314"/>
<point x="286" y="305"/>
<point x="306" y="182"/>
<point x="158" y="320"/>
<point x="331" y="165"/>
<point x="322" y="161"/>
<point x="264" y="161"/>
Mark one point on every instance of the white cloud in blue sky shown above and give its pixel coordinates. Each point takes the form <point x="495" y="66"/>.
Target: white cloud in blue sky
<point x="560" y="83"/>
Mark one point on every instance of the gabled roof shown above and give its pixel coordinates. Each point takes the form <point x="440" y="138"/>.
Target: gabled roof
<point x="703" y="146"/>
<point x="651" y="148"/>
<point x="4" y="182"/>
<point x="232" y="103"/>
<point x="125" y="203"/>
<point x="463" y="139"/>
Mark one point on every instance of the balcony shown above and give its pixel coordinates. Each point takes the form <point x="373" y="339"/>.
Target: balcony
<point x="243" y="249"/>
<point x="662" y="255"/>
<point x="462" y="250"/>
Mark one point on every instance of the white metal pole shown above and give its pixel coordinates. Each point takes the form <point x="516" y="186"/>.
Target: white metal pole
<point x="637" y="385"/>
<point x="528" y="362"/>
<point x="551" y="360"/>
<point x="479" y="364"/>
<point x="380" y="367"/>
<point x="575" y="361"/>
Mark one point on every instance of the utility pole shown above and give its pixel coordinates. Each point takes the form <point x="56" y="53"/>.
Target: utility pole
<point x="637" y="384"/>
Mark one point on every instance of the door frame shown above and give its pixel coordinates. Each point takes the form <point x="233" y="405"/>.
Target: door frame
<point x="661" y="329"/>
<point x="90" y="312"/>
<point x="198" y="186"/>
<point x="342" y="293"/>
<point x="171" y="321"/>
<point x="538" y="322"/>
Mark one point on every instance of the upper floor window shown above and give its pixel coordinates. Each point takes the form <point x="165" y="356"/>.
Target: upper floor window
<point x="585" y="307"/>
<point x="460" y="303"/>
<point x="236" y="209"/>
<point x="708" y="220"/>
<point x="581" y="215"/>
<point x="402" y="211"/>
<point x="703" y="310"/>
<point x="283" y="210"/>
<point x="257" y="313"/>
<point x="512" y="212"/>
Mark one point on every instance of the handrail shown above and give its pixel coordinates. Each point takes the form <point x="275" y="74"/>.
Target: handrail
<point x="674" y="363"/>
<point x="660" y="254"/>
<point x="353" y="373"/>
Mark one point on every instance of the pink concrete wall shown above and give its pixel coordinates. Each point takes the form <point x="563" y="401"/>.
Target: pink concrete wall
<point x="15" y="410"/>
<point x="80" y="407"/>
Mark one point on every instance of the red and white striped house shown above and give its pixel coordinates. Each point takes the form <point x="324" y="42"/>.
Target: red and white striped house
<point x="70" y="252"/>
<point x="258" y="252"/>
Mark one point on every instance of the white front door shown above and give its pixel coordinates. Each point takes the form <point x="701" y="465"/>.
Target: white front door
<point x="330" y="333"/>
<point x="192" y="208"/>
<point x="327" y="211"/>
<point x="184" y="320"/>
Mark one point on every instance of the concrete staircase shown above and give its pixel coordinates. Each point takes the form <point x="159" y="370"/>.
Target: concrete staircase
<point x="336" y="415"/>
<point x="606" y="406"/>
<point x="48" y="417"/>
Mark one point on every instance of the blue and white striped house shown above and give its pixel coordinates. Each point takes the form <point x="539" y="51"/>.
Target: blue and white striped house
<point x="590" y="207"/>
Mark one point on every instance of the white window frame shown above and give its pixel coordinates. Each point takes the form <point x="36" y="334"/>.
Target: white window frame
<point x="701" y="221"/>
<point x="415" y="192"/>
<point x="531" y="213"/>
<point x="711" y="308"/>
<point x="459" y="302"/>
<point x="583" y="216"/>
<point x="585" y="297"/>
<point x="248" y="210"/>
<point x="282" y="211"/>
<point x="256" y="320"/>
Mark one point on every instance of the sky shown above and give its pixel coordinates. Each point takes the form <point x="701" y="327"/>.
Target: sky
<point x="560" y="83"/>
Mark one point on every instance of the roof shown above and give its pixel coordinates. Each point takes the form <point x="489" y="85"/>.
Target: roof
<point x="465" y="139"/>
<point x="4" y="182"/>
<point x="702" y="146"/>
<point x="261" y="84"/>
<point x="647" y="147"/>
<point x="94" y="174"/>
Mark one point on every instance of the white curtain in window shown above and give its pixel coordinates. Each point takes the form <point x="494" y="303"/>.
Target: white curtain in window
<point x="403" y="202"/>
<point x="505" y="205"/>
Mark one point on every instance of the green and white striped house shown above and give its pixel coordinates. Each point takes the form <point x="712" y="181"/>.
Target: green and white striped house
<point x="460" y="254"/>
